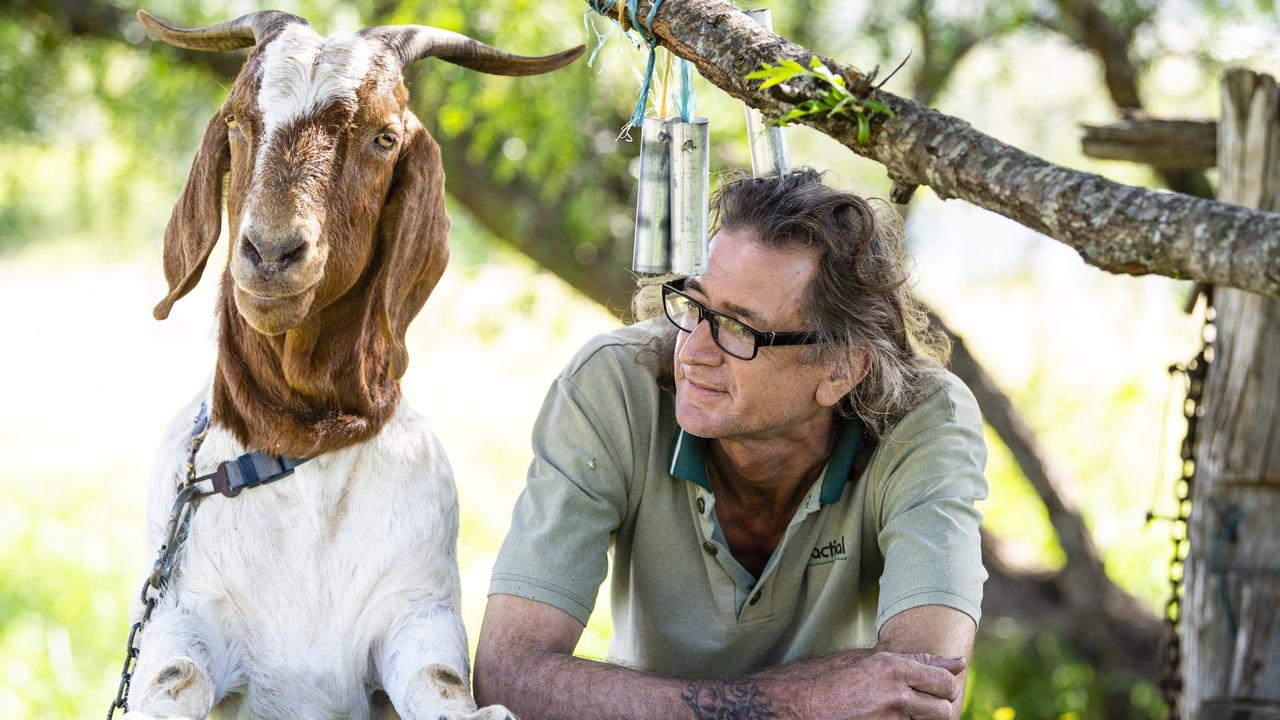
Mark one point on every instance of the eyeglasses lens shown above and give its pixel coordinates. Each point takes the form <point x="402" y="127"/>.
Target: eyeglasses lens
<point x="729" y="335"/>
<point x="735" y="339"/>
<point x="681" y="312"/>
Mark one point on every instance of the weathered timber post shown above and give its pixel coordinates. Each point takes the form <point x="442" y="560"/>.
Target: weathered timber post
<point x="1231" y="620"/>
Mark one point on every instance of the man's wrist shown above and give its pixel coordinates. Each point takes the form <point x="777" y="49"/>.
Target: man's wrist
<point x="814" y="668"/>
<point x="742" y="699"/>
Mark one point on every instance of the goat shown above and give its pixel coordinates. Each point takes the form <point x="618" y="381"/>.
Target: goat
<point x="330" y="593"/>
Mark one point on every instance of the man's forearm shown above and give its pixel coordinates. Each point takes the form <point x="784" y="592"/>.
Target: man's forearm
<point x="539" y="684"/>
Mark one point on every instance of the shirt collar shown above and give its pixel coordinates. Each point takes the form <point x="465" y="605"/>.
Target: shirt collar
<point x="689" y="454"/>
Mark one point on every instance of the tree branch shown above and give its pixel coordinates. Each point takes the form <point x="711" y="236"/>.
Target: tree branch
<point x="1114" y="227"/>
<point x="1087" y="24"/>
<point x="1091" y="27"/>
<point x="1187" y="144"/>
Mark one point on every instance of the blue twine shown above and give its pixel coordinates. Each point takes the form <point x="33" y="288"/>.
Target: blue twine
<point x="645" y="30"/>
<point x="601" y="37"/>
<point x="687" y="97"/>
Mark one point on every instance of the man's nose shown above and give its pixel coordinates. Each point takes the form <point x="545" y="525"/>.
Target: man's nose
<point x="699" y="346"/>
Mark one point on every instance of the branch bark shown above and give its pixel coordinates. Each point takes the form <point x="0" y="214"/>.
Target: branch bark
<point x="1114" y="227"/>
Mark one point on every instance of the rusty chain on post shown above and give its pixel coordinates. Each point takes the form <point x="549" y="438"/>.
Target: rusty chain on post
<point x="154" y="586"/>
<point x="1194" y="372"/>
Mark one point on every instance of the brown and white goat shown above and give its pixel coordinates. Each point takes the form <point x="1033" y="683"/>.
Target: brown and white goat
<point x="307" y="597"/>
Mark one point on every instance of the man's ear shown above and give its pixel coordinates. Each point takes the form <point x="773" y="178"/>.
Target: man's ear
<point x="414" y="238"/>
<point x="197" y="216"/>
<point x="841" y="376"/>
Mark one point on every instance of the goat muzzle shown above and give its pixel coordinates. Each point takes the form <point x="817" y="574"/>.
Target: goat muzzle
<point x="271" y="255"/>
<point x="277" y="260"/>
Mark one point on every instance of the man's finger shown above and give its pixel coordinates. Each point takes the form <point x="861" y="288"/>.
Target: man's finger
<point x="955" y="665"/>
<point x="940" y="682"/>
<point x="923" y="706"/>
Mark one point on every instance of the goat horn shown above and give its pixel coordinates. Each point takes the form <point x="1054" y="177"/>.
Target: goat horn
<point x="415" y="42"/>
<point x="244" y="31"/>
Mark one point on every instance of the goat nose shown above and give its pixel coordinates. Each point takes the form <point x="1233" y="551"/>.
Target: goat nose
<point x="274" y="254"/>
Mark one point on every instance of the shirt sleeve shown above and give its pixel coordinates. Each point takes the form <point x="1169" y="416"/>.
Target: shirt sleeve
<point x="928" y="523"/>
<point x="556" y="551"/>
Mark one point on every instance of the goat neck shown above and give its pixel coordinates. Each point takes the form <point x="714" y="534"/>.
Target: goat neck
<point x="319" y="387"/>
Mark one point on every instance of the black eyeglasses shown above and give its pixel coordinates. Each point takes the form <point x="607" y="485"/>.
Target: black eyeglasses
<point x="730" y="335"/>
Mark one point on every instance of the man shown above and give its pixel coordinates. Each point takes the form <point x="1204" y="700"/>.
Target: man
<point x="791" y="520"/>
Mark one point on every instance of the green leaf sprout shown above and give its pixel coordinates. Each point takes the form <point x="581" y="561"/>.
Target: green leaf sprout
<point x="833" y="96"/>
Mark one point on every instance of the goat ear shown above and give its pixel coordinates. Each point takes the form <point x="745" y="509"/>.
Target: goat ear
<point x="197" y="216"/>
<point x="414" y="238"/>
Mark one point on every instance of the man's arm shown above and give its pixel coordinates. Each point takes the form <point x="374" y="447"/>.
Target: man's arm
<point x="525" y="662"/>
<point x="933" y="629"/>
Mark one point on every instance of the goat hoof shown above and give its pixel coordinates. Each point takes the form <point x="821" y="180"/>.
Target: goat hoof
<point x="179" y="690"/>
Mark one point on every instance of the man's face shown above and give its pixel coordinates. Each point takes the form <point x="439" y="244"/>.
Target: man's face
<point x="720" y="396"/>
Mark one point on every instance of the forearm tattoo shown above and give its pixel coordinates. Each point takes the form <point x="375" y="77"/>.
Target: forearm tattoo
<point x="728" y="700"/>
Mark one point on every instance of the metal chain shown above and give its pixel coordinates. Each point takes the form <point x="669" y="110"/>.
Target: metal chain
<point x="1194" y="373"/>
<point x="154" y="586"/>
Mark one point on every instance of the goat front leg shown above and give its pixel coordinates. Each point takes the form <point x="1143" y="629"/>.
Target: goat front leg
<point x="424" y="670"/>
<point x="171" y="678"/>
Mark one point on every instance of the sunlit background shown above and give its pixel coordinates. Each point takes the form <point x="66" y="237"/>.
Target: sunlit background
<point x="97" y="129"/>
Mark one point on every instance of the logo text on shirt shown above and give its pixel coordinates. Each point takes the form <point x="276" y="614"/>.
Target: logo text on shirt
<point x="830" y="552"/>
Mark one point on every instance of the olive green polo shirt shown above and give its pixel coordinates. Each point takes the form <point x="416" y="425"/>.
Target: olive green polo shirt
<point x="613" y="474"/>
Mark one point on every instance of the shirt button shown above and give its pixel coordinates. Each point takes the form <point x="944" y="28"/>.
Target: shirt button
<point x="710" y="547"/>
<point x="702" y="506"/>
<point x="755" y="598"/>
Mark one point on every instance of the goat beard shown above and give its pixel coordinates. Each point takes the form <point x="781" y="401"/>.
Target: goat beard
<point x="319" y="386"/>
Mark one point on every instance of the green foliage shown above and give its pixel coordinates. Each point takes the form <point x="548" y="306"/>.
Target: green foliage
<point x="1018" y="673"/>
<point x="832" y="97"/>
<point x="63" y="592"/>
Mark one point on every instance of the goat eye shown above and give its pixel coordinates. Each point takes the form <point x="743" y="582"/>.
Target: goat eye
<point x="231" y="121"/>
<point x="385" y="140"/>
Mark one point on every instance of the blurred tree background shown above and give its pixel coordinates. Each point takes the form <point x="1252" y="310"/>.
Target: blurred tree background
<point x="97" y="128"/>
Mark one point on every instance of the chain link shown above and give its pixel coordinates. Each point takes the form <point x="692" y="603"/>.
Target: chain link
<point x="153" y="587"/>
<point x="1194" y="373"/>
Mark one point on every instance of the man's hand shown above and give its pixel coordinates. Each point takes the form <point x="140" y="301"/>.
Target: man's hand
<point x="916" y="686"/>
<point x="866" y="684"/>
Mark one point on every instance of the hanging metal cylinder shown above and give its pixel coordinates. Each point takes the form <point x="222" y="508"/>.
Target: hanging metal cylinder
<point x="768" y="145"/>
<point x="690" y="194"/>
<point x="653" y="200"/>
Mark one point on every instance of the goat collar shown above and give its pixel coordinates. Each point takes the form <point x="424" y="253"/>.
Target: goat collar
<point x="249" y="470"/>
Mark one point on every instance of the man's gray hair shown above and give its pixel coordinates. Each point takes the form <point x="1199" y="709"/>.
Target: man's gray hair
<point x="858" y="302"/>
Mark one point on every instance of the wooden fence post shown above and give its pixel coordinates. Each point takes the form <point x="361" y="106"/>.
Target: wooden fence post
<point x="1231" y="612"/>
